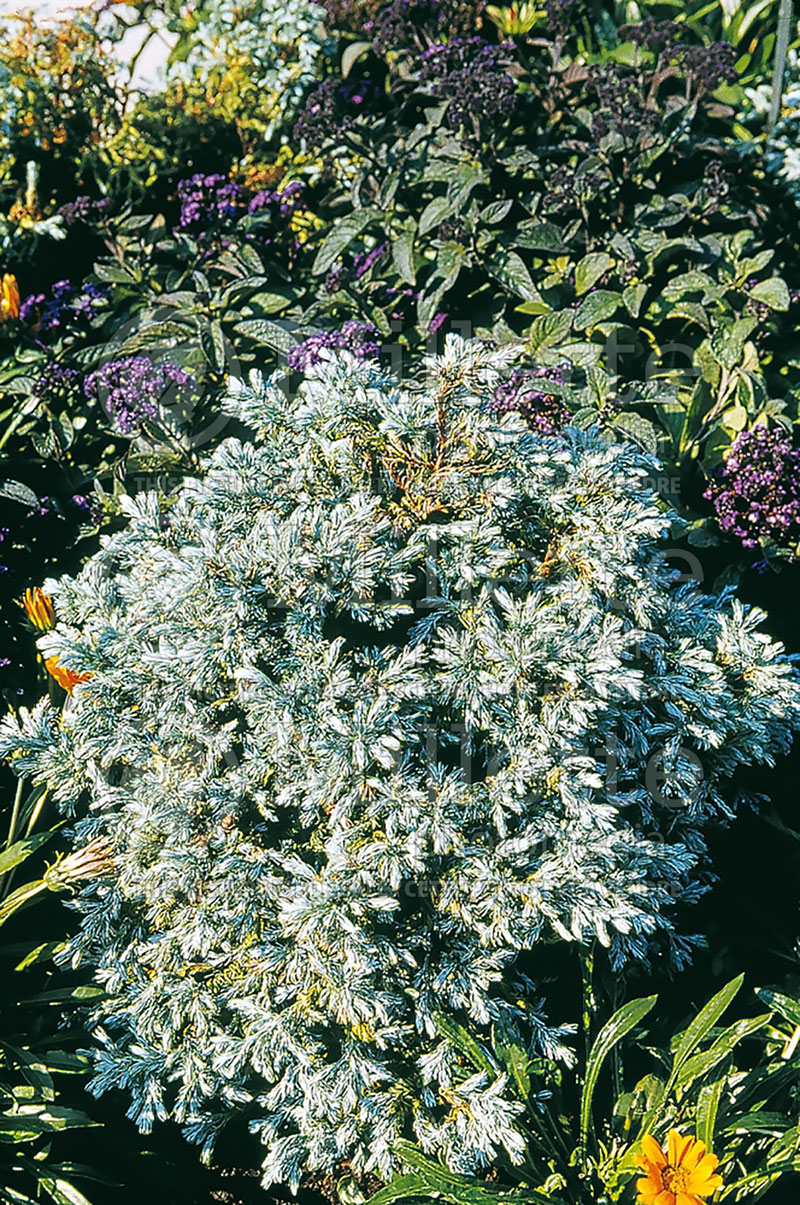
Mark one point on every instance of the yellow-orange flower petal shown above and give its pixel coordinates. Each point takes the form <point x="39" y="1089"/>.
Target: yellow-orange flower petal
<point x="652" y="1151"/>
<point x="67" y="678"/>
<point x="9" y="297"/>
<point x="39" y="608"/>
<point x="682" y="1175"/>
<point x="695" y="1154"/>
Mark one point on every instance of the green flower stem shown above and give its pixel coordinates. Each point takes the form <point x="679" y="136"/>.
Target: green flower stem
<point x="12" y="826"/>
<point x="781" y="51"/>
<point x="23" y="895"/>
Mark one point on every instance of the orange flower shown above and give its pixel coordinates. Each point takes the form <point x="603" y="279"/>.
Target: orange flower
<point x="39" y="608"/>
<point x="9" y="297"/>
<point x="63" y="676"/>
<point x="681" y="1176"/>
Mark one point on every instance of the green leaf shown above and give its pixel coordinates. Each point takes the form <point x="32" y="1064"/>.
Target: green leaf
<point x="632" y="298"/>
<point x="464" y="1190"/>
<point x="463" y="1040"/>
<point x="765" y="1175"/>
<point x="728" y="344"/>
<point x="689" y="282"/>
<point x="463" y="179"/>
<point x="785" y="1005"/>
<point x="403" y="255"/>
<point x="708" y="1102"/>
<point x="495" y="212"/>
<point x="20" y="898"/>
<point x="641" y="430"/>
<point x="582" y="354"/>
<point x="773" y="292"/>
<point x="693" y="311"/>
<point x="65" y="431"/>
<point x="341" y="236"/>
<point x="672" y="416"/>
<point x="272" y="334"/>
<point x="87" y="991"/>
<point x="548" y="330"/>
<point x="155" y="334"/>
<point x="45" y="443"/>
<point x="41" y="953"/>
<point x="759" y="1120"/>
<point x="735" y="418"/>
<point x="20" y="1127"/>
<point x="63" y="1192"/>
<point x="622" y="1022"/>
<point x="15" y="491"/>
<point x="212" y="341"/>
<point x="115" y="274"/>
<point x="754" y="263"/>
<point x="509" y="268"/>
<point x="597" y="307"/>
<point x="250" y="258"/>
<point x="65" y="1061"/>
<point x="540" y="236"/>
<point x="434" y="213"/>
<point x="700" y="1064"/>
<point x="705" y="1020"/>
<point x="590" y="269"/>
<point x="513" y="1055"/>
<point x="398" y="1190"/>
<point x="268" y="302"/>
<point x="693" y="1035"/>
<point x="59" y="1117"/>
<point x="20" y="850"/>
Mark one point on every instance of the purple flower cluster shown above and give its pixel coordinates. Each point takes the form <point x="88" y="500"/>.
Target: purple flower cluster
<point x="523" y="394"/>
<point x="756" y="492"/>
<point x="558" y="14"/>
<point x="335" y="279"/>
<point x="708" y="66"/>
<point x="83" y="209"/>
<point x="623" y="105"/>
<point x="272" y="211"/>
<point x="470" y="73"/>
<point x="133" y="389"/>
<point x="356" y="16"/>
<point x="65" y="301"/>
<point x="365" y="261"/>
<point x="359" y="338"/>
<point x="207" y="201"/>
<point x="56" y="385"/>
<point x="404" y="23"/>
<point x="332" y="107"/>
<point x="569" y="188"/>
<point x="652" y="34"/>
<point x="283" y="203"/>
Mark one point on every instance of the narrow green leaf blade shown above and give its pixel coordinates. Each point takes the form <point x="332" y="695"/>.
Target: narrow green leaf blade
<point x="622" y="1022"/>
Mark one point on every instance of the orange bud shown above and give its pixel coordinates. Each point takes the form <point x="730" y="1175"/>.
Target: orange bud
<point x="63" y="676"/>
<point x="39" y="608"/>
<point x="9" y="297"/>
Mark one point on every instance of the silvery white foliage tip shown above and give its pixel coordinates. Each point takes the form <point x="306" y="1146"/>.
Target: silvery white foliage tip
<point x="389" y="697"/>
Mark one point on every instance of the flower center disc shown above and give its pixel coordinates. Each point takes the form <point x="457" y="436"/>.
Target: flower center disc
<point x="673" y="1179"/>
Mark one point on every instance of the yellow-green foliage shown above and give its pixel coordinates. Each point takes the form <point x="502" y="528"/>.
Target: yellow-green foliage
<point x="57" y="100"/>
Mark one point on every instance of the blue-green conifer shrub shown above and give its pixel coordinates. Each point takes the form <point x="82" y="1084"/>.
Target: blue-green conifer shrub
<point x="393" y="695"/>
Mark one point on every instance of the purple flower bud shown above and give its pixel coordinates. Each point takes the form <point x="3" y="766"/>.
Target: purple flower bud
<point x="756" y="492"/>
<point x="358" y="338"/>
<point x="523" y="394"/>
<point x="133" y="389"/>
